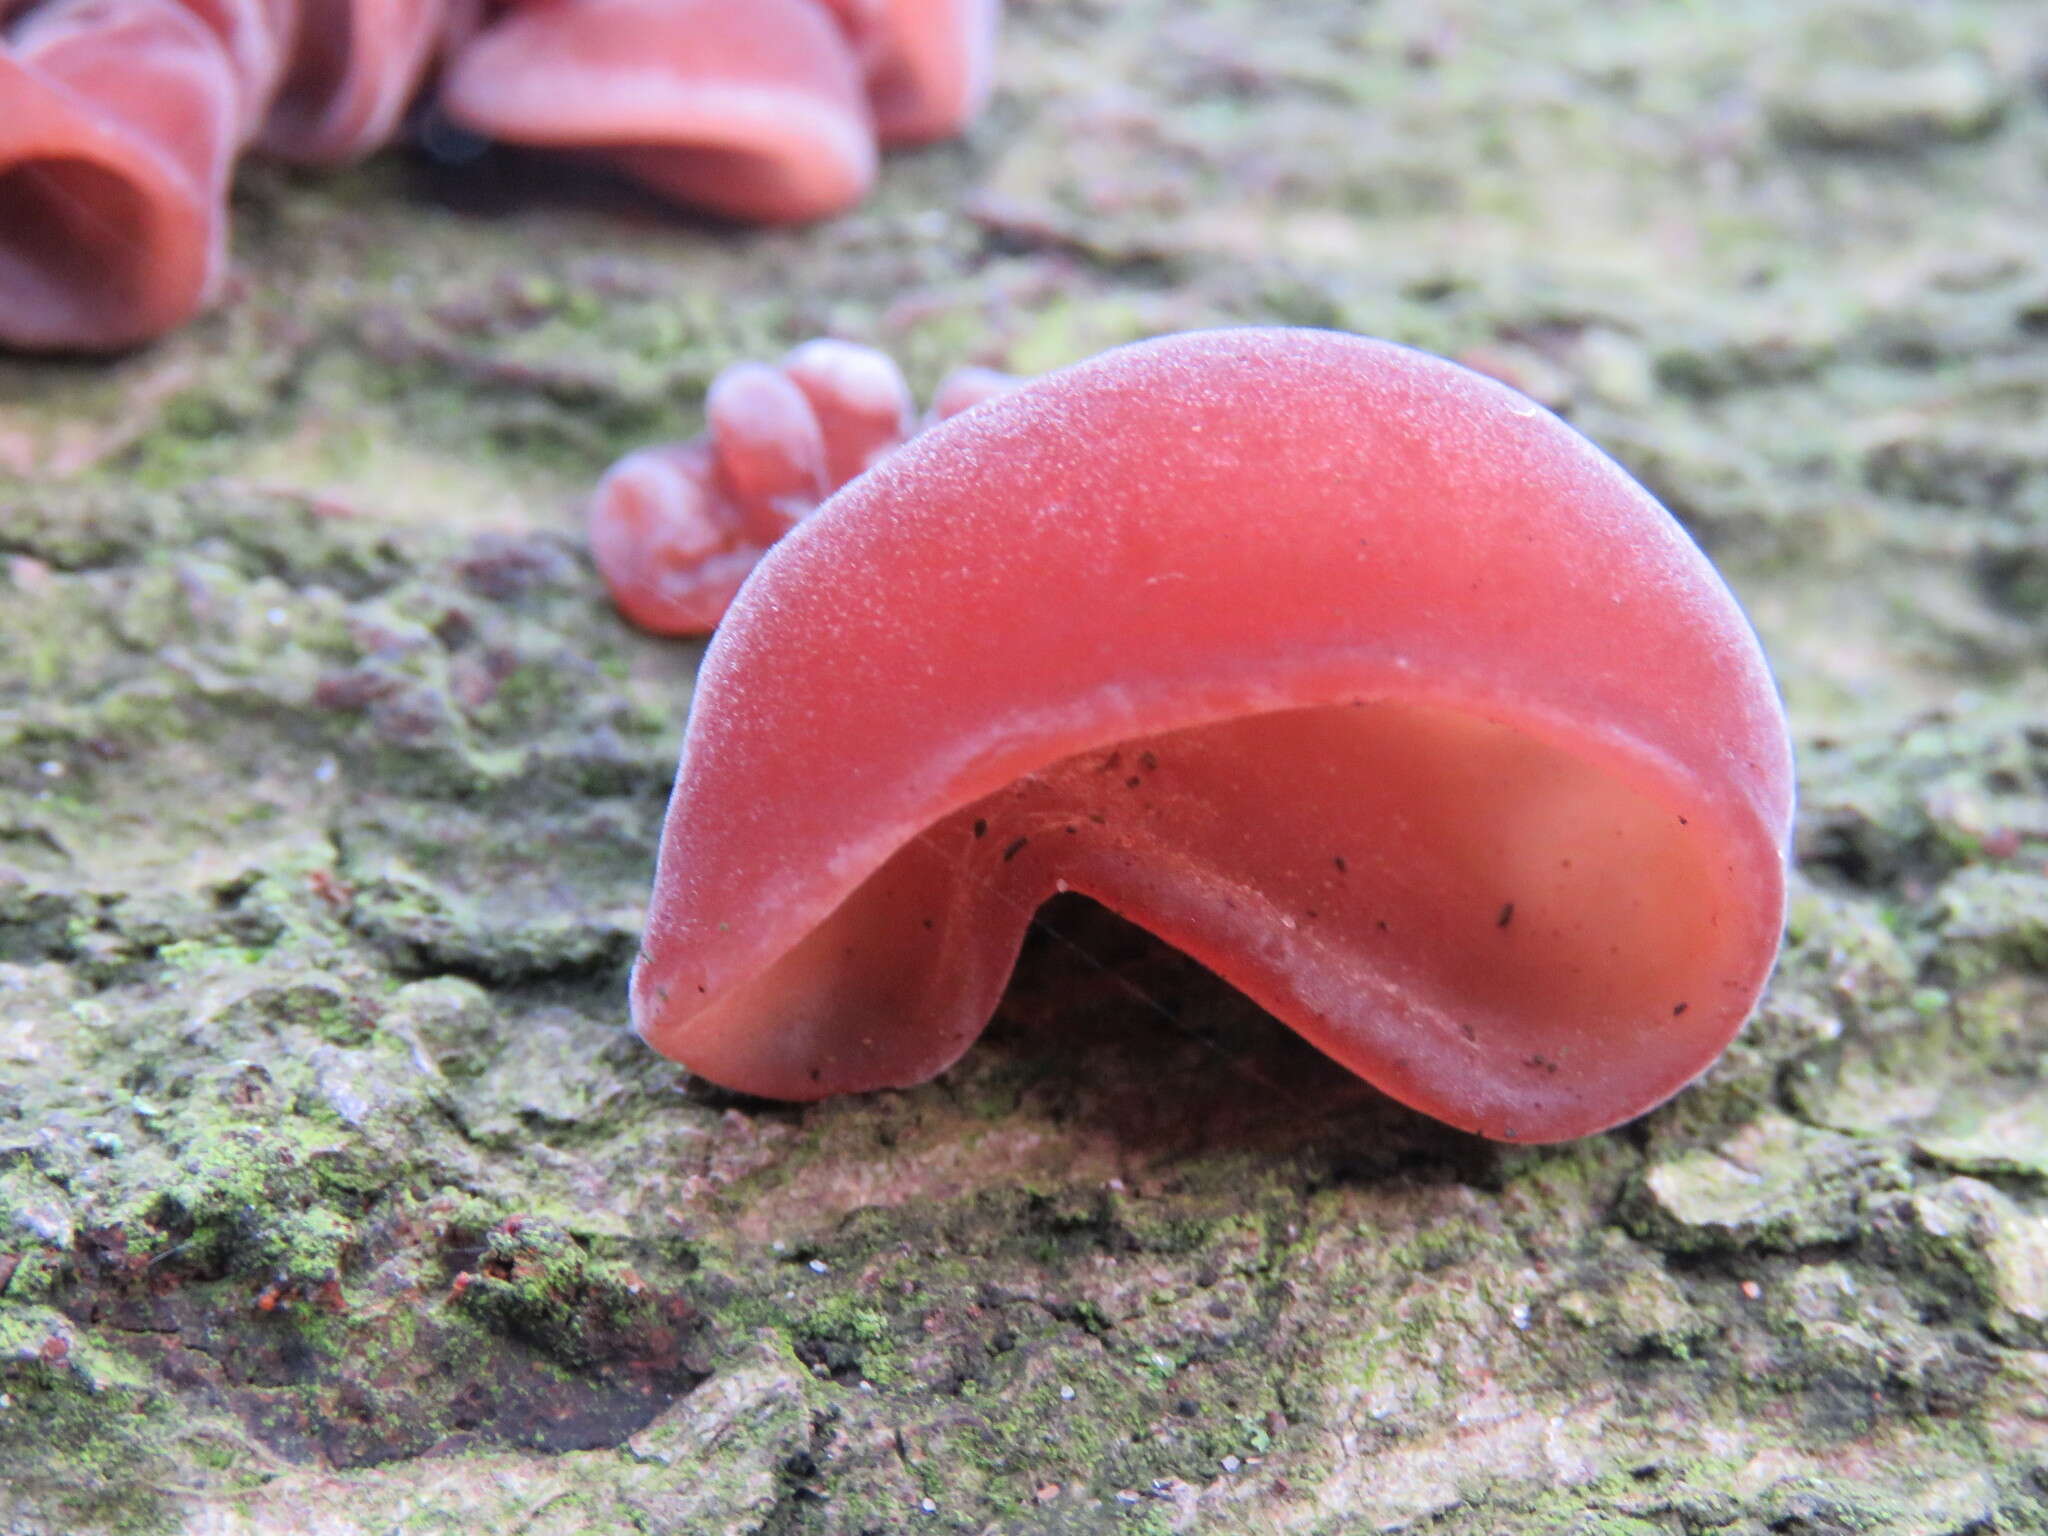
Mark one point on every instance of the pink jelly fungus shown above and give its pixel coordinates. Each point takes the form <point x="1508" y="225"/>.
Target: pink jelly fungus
<point x="121" y="122"/>
<point x="675" y="529"/>
<point x="357" y="66"/>
<point x="751" y="108"/>
<point x="1358" y="676"/>
<point x="765" y="110"/>
<point x="122" y="117"/>
<point x="862" y="404"/>
<point x="771" y="111"/>
<point x="965" y="388"/>
<point x="258" y="37"/>
<point x="929" y="66"/>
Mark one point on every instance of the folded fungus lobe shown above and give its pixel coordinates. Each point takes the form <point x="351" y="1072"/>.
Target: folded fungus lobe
<point x="772" y="111"/>
<point x="120" y="124"/>
<point x="1356" y="675"/>
<point x="675" y="528"/>
<point x="750" y="108"/>
<point x="120" y="120"/>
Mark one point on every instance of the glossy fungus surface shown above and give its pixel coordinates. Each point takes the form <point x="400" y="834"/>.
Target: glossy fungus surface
<point x="1356" y="675"/>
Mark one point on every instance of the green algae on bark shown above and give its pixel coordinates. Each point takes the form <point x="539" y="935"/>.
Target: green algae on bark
<point x="333" y="1195"/>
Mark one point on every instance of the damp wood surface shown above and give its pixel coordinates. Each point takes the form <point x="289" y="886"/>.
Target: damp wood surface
<point x="334" y="1196"/>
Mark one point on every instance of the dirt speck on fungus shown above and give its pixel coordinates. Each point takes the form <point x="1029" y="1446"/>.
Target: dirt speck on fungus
<point x="334" y="1194"/>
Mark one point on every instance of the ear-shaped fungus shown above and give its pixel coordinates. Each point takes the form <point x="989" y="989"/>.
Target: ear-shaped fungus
<point x="121" y="121"/>
<point x="964" y="388"/>
<point x="258" y="36"/>
<point x="355" y="68"/>
<point x="1356" y="675"/>
<point x="751" y="108"/>
<point x="122" y="116"/>
<point x="929" y="66"/>
<point x="676" y="529"/>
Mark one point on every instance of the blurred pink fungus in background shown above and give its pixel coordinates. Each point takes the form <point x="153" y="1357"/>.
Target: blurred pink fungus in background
<point x="120" y="120"/>
<point x="676" y="528"/>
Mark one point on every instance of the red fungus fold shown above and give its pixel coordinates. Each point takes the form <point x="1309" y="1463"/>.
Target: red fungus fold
<point x="122" y="117"/>
<point x="965" y="388"/>
<point x="258" y="36"/>
<point x="862" y="404"/>
<point x="751" y="108"/>
<point x="929" y="66"/>
<point x="121" y="121"/>
<point x="357" y="66"/>
<point x="675" y="529"/>
<point x="1356" y="675"/>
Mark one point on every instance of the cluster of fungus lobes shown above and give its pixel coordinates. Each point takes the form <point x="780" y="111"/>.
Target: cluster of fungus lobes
<point x="1356" y="675"/>
<point x="120" y="120"/>
<point x="676" y="528"/>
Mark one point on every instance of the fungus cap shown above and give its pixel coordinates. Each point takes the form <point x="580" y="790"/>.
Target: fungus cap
<point x="751" y="108"/>
<point x="258" y="36"/>
<point x="966" y="387"/>
<point x="122" y="119"/>
<point x="353" y="70"/>
<point x="861" y="401"/>
<point x="1356" y="675"/>
<point x="675" y="529"/>
<point x="930" y="66"/>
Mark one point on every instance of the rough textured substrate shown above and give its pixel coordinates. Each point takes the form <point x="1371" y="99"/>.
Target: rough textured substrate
<point x="333" y="1196"/>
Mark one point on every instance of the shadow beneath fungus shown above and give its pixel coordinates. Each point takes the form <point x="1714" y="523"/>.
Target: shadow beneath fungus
<point x="1115" y="1067"/>
<point x="463" y="174"/>
<point x="1110" y="1030"/>
<point x="515" y="1335"/>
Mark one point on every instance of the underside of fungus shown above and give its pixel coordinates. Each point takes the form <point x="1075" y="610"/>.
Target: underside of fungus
<point x="122" y="120"/>
<point x="752" y="110"/>
<point x="1357" y="676"/>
